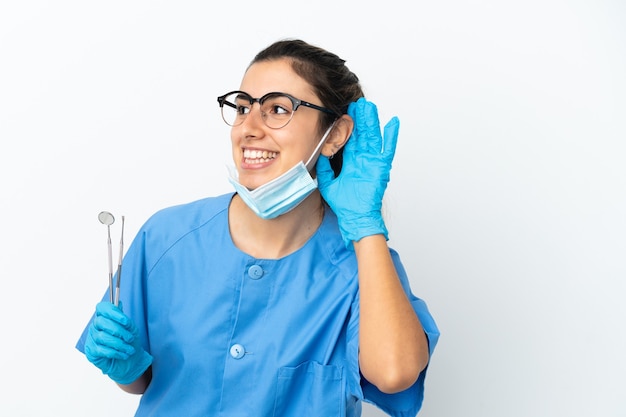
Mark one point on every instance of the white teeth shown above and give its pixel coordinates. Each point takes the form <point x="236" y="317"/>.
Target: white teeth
<point x="256" y="156"/>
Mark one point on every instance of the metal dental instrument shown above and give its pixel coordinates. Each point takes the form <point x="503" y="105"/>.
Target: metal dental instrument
<point x="119" y="266"/>
<point x="107" y="219"/>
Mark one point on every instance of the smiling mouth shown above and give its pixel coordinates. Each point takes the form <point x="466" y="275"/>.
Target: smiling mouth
<point x="251" y="156"/>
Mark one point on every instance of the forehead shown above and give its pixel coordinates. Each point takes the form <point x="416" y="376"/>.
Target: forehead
<point x="277" y="75"/>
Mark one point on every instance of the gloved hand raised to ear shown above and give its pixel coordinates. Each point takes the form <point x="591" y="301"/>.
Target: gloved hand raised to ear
<point x="113" y="345"/>
<point x="356" y="195"/>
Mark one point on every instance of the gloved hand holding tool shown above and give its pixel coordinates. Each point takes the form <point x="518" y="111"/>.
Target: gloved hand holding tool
<point x="356" y="195"/>
<point x="113" y="345"/>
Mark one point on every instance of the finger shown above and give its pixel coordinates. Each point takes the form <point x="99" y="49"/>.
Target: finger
<point x="110" y="311"/>
<point x="390" y="138"/>
<point x="113" y="328"/>
<point x="94" y="352"/>
<point x="369" y="113"/>
<point x="356" y="112"/>
<point x="102" y="344"/>
<point x="367" y="126"/>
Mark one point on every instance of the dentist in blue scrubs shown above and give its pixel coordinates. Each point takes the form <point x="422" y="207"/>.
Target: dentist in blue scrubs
<point x="282" y="298"/>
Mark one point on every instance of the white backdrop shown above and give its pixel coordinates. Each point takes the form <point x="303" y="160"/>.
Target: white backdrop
<point x="507" y="201"/>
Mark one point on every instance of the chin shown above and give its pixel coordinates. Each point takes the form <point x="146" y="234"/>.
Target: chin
<point x="250" y="184"/>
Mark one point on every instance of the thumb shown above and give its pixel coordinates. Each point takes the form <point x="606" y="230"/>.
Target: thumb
<point x="324" y="171"/>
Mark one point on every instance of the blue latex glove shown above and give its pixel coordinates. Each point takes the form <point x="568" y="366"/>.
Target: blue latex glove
<point x="356" y="195"/>
<point x="113" y="345"/>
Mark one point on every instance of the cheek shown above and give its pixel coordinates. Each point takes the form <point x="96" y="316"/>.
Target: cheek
<point x="235" y="138"/>
<point x="304" y="139"/>
<point x="235" y="147"/>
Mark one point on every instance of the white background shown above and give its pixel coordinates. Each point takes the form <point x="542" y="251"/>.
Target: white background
<point x="507" y="201"/>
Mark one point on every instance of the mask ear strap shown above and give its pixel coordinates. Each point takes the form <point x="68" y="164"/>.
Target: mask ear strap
<point x="319" y="145"/>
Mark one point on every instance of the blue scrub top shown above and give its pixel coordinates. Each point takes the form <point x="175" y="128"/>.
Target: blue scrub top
<point x="233" y="335"/>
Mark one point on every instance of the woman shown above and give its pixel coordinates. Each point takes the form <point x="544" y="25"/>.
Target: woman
<point x="283" y="298"/>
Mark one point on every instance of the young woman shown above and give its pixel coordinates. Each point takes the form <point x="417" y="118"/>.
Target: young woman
<point x="282" y="298"/>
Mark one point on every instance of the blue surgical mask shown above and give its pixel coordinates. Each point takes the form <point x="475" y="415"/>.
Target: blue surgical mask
<point x="284" y="192"/>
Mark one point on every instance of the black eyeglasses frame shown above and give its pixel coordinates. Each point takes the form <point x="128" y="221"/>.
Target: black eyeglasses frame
<point x="296" y="102"/>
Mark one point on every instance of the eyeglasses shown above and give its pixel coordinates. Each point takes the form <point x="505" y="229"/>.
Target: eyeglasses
<point x="276" y="108"/>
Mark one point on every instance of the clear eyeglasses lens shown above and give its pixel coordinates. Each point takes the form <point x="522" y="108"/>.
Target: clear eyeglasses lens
<point x="276" y="109"/>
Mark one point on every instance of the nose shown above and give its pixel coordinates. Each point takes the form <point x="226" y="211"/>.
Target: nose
<point x="253" y="122"/>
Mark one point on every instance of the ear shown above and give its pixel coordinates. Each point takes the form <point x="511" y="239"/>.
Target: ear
<point x="338" y="136"/>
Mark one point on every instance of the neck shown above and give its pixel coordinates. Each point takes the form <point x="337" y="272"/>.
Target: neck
<point x="274" y="238"/>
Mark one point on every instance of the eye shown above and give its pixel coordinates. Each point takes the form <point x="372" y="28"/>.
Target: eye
<point x="242" y="109"/>
<point x="277" y="106"/>
<point x="278" y="109"/>
<point x="241" y="104"/>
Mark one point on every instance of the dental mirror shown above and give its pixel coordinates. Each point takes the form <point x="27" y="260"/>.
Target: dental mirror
<point x="107" y="219"/>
